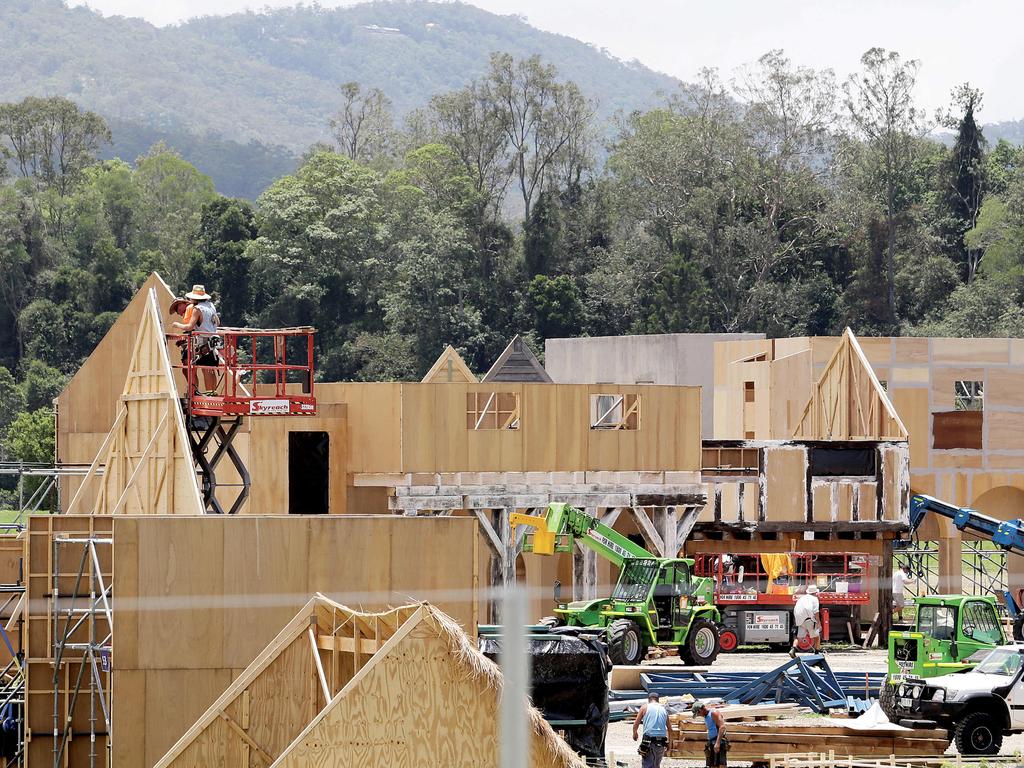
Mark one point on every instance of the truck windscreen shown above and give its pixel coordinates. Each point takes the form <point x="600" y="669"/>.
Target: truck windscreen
<point x="636" y="580"/>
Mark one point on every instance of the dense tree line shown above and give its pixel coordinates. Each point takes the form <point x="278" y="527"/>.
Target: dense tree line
<point x="782" y="201"/>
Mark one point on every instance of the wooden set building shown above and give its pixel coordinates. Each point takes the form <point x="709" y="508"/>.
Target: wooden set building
<point x="396" y="493"/>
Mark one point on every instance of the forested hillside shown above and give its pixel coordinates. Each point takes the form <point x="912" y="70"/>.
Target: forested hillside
<point x="791" y="204"/>
<point x="262" y="86"/>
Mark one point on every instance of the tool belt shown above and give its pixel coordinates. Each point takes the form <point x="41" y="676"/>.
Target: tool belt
<point x="647" y="741"/>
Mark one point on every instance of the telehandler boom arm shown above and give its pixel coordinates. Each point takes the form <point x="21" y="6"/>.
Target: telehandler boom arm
<point x="565" y="520"/>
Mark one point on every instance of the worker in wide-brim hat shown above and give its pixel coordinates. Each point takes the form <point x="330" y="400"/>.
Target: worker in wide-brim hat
<point x="201" y="317"/>
<point x="807" y="616"/>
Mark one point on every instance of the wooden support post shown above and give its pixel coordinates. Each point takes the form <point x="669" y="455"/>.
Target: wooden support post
<point x="649" y="531"/>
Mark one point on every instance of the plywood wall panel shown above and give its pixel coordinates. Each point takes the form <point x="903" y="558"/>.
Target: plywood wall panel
<point x="209" y="594"/>
<point x="968" y="351"/>
<point x="912" y="406"/>
<point x="374" y="420"/>
<point x="1003" y="388"/>
<point x="791" y="381"/>
<point x="909" y="349"/>
<point x="786" y="484"/>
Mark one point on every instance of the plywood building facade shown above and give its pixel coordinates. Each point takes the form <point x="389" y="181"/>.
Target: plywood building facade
<point x="961" y="400"/>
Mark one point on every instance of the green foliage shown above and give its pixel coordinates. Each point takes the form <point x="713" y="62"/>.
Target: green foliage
<point x="556" y="307"/>
<point x="30" y="436"/>
<point x="41" y="384"/>
<point x="742" y="208"/>
<point x="12" y="398"/>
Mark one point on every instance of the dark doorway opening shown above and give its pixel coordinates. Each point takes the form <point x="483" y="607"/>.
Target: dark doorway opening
<point x="308" y="473"/>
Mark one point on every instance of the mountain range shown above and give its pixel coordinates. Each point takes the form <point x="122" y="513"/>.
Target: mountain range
<point x="262" y="86"/>
<point x="242" y="96"/>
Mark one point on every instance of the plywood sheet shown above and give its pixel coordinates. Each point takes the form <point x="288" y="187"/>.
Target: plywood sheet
<point x="970" y="351"/>
<point x="1005" y="431"/>
<point x="791" y="382"/>
<point x="1004" y="387"/>
<point x="205" y="594"/>
<point x="912" y="406"/>
<point x="786" y="484"/>
<point x="908" y="349"/>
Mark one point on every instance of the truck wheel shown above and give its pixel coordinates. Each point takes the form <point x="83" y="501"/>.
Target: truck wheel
<point x="702" y="645"/>
<point x="887" y="702"/>
<point x="550" y="622"/>
<point x="625" y="645"/>
<point x="978" y="734"/>
<point x="1018" y="626"/>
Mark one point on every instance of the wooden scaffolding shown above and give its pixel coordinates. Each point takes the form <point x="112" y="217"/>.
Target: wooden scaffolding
<point x="145" y="464"/>
<point x="848" y="402"/>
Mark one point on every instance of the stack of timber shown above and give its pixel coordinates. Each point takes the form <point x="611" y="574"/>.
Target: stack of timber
<point x="832" y="760"/>
<point x="757" y="741"/>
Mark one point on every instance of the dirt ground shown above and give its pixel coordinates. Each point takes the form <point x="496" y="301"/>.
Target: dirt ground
<point x="621" y="749"/>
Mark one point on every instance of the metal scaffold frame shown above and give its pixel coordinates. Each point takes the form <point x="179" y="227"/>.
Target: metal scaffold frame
<point x="12" y="681"/>
<point x="97" y="618"/>
<point x="50" y="475"/>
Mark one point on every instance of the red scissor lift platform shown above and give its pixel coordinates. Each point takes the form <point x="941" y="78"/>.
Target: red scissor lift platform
<point x="249" y="385"/>
<point x="260" y="372"/>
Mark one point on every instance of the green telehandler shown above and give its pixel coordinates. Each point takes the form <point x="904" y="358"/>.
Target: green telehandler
<point x="656" y="601"/>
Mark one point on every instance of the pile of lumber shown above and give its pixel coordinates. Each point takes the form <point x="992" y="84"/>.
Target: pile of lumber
<point x="757" y="732"/>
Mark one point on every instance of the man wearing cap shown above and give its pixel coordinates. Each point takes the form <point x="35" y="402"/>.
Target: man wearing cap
<point x="654" y="718"/>
<point x="808" y="620"/>
<point x="717" y="746"/>
<point x="201" y="316"/>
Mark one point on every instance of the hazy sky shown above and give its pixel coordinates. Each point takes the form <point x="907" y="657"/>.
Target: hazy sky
<point x="956" y="40"/>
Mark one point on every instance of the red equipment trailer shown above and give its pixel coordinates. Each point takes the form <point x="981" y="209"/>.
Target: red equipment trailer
<point x="756" y="593"/>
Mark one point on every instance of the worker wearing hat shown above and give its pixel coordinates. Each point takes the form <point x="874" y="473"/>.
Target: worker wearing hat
<point x="654" y="718"/>
<point x="807" y="617"/>
<point x="201" y="317"/>
<point x="716" y="747"/>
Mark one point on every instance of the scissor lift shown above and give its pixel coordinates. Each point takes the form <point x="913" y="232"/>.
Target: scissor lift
<point x="251" y="381"/>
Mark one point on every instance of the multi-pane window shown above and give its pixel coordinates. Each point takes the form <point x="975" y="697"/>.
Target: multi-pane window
<point x="968" y="396"/>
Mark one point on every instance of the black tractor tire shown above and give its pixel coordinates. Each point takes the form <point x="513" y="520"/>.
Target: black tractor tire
<point x="887" y="702"/>
<point x="978" y="733"/>
<point x="625" y="642"/>
<point x="1018" y="627"/>
<point x="551" y="622"/>
<point x="702" y="645"/>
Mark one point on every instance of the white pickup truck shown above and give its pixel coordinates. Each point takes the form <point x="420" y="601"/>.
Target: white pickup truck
<point x="977" y="707"/>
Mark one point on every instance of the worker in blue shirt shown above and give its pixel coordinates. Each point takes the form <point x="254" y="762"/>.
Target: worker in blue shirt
<point x="654" y="718"/>
<point x="717" y="745"/>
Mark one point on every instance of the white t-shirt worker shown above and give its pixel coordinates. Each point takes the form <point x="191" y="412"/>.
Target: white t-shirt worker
<point x="900" y="580"/>
<point x="806" y="618"/>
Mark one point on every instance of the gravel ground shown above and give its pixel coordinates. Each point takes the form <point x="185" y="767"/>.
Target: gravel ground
<point x="621" y="746"/>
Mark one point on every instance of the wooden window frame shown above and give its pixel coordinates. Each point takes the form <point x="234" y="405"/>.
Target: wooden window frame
<point x="627" y="417"/>
<point x="968" y="395"/>
<point x="492" y="411"/>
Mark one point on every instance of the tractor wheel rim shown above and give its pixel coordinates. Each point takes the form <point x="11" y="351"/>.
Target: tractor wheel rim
<point x="981" y="737"/>
<point x="727" y="641"/>
<point x="630" y="645"/>
<point x="704" y="642"/>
